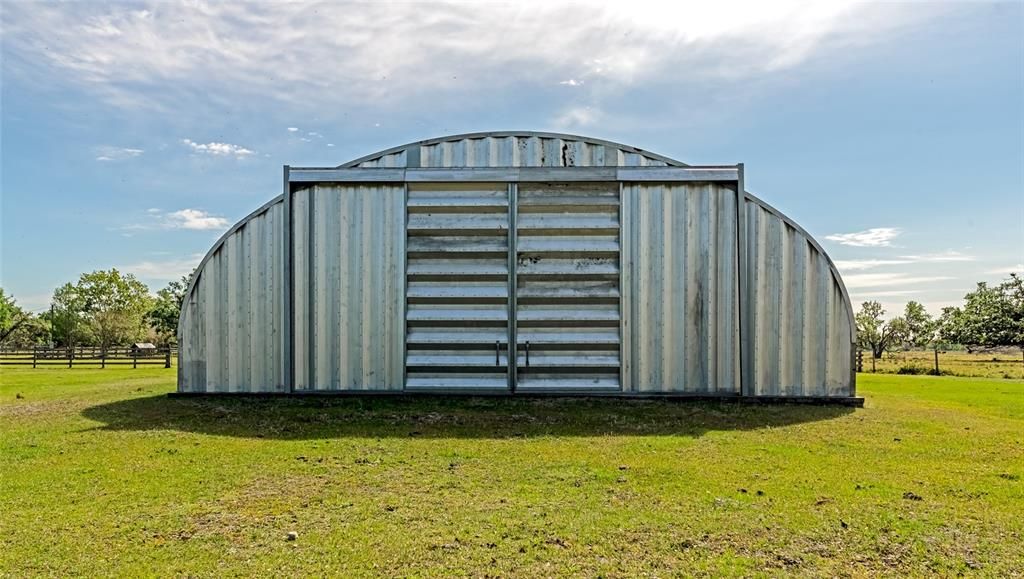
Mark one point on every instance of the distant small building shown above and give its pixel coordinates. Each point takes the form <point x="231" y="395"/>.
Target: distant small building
<point x="143" y="349"/>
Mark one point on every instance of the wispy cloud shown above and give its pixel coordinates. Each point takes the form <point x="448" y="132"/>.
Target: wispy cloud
<point x="218" y="149"/>
<point x="862" y="264"/>
<point x="871" y="280"/>
<point x="875" y="237"/>
<point x="572" y="82"/>
<point x="109" y="153"/>
<point x="943" y="256"/>
<point x="1017" y="269"/>
<point x="293" y="129"/>
<point x="399" y="51"/>
<point x="163" y="270"/>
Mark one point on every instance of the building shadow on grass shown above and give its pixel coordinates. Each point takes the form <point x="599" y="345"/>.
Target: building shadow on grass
<point x="446" y="417"/>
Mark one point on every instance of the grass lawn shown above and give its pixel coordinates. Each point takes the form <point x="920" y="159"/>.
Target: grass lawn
<point x="101" y="473"/>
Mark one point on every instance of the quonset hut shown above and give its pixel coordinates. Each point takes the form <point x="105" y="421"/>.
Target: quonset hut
<point x="609" y="270"/>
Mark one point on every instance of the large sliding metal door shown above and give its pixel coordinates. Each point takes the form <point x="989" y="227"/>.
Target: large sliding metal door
<point x="536" y="265"/>
<point x="567" y="287"/>
<point x="457" y="290"/>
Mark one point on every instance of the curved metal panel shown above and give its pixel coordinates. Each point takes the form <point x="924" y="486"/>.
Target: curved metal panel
<point x="513" y="149"/>
<point x="799" y="324"/>
<point x="230" y="330"/>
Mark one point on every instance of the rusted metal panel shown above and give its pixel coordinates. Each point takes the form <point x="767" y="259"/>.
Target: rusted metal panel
<point x="348" y="286"/>
<point x="801" y="329"/>
<point x="231" y="326"/>
<point x="683" y="288"/>
<point x="457" y="286"/>
<point x="567" y="287"/>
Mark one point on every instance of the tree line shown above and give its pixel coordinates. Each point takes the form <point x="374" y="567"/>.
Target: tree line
<point x="992" y="316"/>
<point x="104" y="308"/>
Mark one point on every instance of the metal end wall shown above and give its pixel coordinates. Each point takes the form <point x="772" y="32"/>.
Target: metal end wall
<point x="348" y="287"/>
<point x="231" y="329"/>
<point x="681" y="286"/>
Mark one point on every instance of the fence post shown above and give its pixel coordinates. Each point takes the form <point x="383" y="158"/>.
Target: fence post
<point x="135" y="358"/>
<point x="34" y="353"/>
<point x="103" y="358"/>
<point x="937" y="362"/>
<point x="860" y="360"/>
<point x="71" y="357"/>
<point x="872" y="362"/>
<point x="167" y="358"/>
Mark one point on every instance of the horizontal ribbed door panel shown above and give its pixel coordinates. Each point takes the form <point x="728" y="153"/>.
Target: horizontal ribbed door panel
<point x="567" y="287"/>
<point x="457" y="298"/>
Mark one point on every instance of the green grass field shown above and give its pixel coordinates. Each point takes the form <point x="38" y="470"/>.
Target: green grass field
<point x="1007" y="365"/>
<point x="102" y="474"/>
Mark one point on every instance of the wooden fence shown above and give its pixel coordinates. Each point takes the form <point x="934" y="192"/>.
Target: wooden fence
<point x="87" y="357"/>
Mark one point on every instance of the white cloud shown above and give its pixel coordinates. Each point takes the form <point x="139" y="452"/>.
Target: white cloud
<point x="194" y="219"/>
<point x="293" y="129"/>
<point x="572" y="82"/>
<point x="224" y="51"/>
<point x="875" y="237"/>
<point x="871" y="280"/>
<point x="944" y="256"/>
<point x="330" y="144"/>
<point x="862" y="264"/>
<point x="109" y="153"/>
<point x="1017" y="269"/>
<point x="163" y="270"/>
<point x="218" y="149"/>
<point x="578" y="117"/>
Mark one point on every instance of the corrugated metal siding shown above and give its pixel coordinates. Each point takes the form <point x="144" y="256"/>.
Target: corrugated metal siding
<point x="799" y="327"/>
<point x="567" y="286"/>
<point x="516" y="151"/>
<point x="232" y="331"/>
<point x="457" y="292"/>
<point x="681" y="288"/>
<point x="348" y="265"/>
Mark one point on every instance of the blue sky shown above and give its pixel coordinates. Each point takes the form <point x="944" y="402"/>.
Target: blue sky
<point x="134" y="134"/>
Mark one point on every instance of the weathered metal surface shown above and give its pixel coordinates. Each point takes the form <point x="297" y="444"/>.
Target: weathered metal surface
<point x="348" y="286"/>
<point x="799" y="335"/>
<point x="567" y="287"/>
<point x="457" y="292"/>
<point x="514" y="149"/>
<point x="231" y="325"/>
<point x="680" y="300"/>
<point x="616" y="264"/>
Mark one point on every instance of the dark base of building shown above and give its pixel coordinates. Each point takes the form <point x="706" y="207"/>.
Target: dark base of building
<point x="851" y="401"/>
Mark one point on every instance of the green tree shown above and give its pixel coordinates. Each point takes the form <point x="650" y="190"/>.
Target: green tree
<point x="105" y="308"/>
<point x="876" y="334"/>
<point x="166" y="309"/>
<point x="920" y="328"/>
<point x="991" y="317"/>
<point x="19" y="328"/>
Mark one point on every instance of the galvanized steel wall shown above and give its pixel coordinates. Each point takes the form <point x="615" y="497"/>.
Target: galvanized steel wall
<point x="348" y="286"/>
<point x="521" y="150"/>
<point x="681" y="288"/>
<point x="231" y="329"/>
<point x="798" y="328"/>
